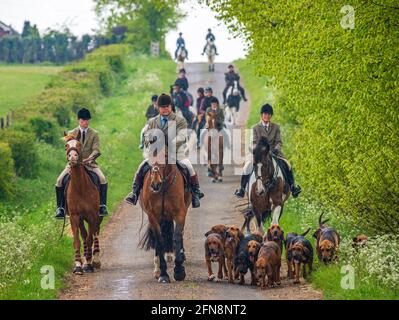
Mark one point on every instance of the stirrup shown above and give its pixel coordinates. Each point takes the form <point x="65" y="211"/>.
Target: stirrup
<point x="60" y="214"/>
<point x="103" y="212"/>
<point x="131" y="198"/>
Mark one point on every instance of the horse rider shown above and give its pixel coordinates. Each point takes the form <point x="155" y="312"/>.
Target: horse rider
<point x="271" y="131"/>
<point x="219" y="113"/>
<point x="182" y="103"/>
<point x="90" y="151"/>
<point x="165" y="117"/>
<point x="229" y="78"/>
<point x="180" y="43"/>
<point x="152" y="111"/>
<point x="210" y="37"/>
<point x="182" y="80"/>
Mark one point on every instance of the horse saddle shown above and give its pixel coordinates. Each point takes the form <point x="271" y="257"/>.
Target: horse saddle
<point x="186" y="176"/>
<point x="283" y="167"/>
<point x="93" y="177"/>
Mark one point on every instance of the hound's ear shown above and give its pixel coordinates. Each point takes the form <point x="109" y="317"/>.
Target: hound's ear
<point x="282" y="236"/>
<point x="206" y="249"/>
<point x="208" y="233"/>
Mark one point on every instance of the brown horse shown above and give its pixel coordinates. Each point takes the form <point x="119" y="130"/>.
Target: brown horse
<point x="216" y="170"/>
<point x="166" y="202"/>
<point x="83" y="203"/>
<point x="269" y="190"/>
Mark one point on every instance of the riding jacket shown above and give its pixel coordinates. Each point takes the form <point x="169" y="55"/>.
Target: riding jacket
<point x="183" y="83"/>
<point x="210" y="36"/>
<point x="91" y="145"/>
<point x="230" y="77"/>
<point x="271" y="133"/>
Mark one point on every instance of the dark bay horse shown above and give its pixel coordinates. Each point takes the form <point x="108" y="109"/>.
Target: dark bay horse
<point x="268" y="188"/>
<point x="213" y="136"/>
<point x="165" y="201"/>
<point x="83" y="203"/>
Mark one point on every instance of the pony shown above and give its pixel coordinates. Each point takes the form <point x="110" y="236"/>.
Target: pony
<point x="165" y="200"/>
<point x="268" y="189"/>
<point x="181" y="57"/>
<point x="211" y="54"/>
<point x="82" y="205"/>
<point x="233" y="104"/>
<point x="216" y="170"/>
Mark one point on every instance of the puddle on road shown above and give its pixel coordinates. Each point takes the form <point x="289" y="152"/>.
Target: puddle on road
<point x="121" y="288"/>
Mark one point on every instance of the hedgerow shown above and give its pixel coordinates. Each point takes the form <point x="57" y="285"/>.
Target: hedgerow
<point x="340" y="87"/>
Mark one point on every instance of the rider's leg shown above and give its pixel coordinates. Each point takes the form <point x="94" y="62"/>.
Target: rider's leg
<point x="103" y="190"/>
<point x="60" y="194"/>
<point x="247" y="171"/>
<point x="138" y="182"/>
<point x="195" y="187"/>
<point x="295" y="190"/>
<point x="242" y="91"/>
<point x="216" y="50"/>
<point x="176" y="52"/>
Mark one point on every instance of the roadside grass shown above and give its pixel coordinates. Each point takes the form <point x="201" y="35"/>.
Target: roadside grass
<point x="19" y="83"/>
<point x="300" y="214"/>
<point x="119" y="119"/>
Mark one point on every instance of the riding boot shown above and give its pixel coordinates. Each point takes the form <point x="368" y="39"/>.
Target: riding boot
<point x="244" y="181"/>
<point x="103" y="199"/>
<point x="133" y="197"/>
<point x="295" y="190"/>
<point x="60" y="213"/>
<point x="195" y="191"/>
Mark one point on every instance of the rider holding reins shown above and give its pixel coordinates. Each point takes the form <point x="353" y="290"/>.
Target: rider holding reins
<point x="90" y="151"/>
<point x="180" y="43"/>
<point x="271" y="131"/>
<point x="211" y="38"/>
<point x="229" y="78"/>
<point x="162" y="122"/>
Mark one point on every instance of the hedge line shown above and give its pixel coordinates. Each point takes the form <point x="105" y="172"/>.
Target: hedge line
<point x="340" y="87"/>
<point x="45" y="117"/>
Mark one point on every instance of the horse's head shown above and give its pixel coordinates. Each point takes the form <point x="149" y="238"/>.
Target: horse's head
<point x="211" y="119"/>
<point x="156" y="178"/>
<point x="72" y="148"/>
<point x="262" y="164"/>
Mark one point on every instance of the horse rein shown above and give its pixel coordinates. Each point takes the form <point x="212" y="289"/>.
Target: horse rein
<point x="269" y="182"/>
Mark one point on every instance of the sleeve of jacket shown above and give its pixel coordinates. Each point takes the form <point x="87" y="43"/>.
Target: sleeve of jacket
<point x="255" y="137"/>
<point x="279" y="142"/>
<point x="95" y="146"/>
<point x="181" y="133"/>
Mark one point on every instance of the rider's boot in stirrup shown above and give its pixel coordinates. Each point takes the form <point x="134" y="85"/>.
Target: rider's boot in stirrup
<point x="133" y="197"/>
<point x="244" y="181"/>
<point x="295" y="190"/>
<point x="60" y="213"/>
<point x="196" y="192"/>
<point x="103" y="200"/>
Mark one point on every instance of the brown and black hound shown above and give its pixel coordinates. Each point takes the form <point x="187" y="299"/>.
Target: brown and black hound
<point x="233" y="238"/>
<point x="214" y="252"/>
<point x="359" y="241"/>
<point x="276" y="234"/>
<point x="221" y="230"/>
<point x="327" y="241"/>
<point x="268" y="264"/>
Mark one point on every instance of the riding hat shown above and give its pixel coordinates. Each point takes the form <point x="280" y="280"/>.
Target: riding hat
<point x="84" y="114"/>
<point x="182" y="70"/>
<point x="164" y="100"/>
<point x="201" y="90"/>
<point x="208" y="89"/>
<point x="267" y="108"/>
<point x="154" y="98"/>
<point x="230" y="66"/>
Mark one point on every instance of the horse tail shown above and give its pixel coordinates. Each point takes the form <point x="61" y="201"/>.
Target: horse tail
<point x="150" y="238"/>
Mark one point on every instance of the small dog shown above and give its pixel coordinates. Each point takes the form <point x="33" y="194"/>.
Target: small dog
<point x="276" y="234"/>
<point x="268" y="263"/>
<point x="214" y="252"/>
<point x="298" y="251"/>
<point x="359" y="241"/>
<point x="233" y="238"/>
<point x="327" y="241"/>
<point x="243" y="260"/>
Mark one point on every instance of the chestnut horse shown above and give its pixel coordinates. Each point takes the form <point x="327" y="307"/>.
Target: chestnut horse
<point x="83" y="204"/>
<point x="268" y="190"/>
<point x="216" y="169"/>
<point x="166" y="202"/>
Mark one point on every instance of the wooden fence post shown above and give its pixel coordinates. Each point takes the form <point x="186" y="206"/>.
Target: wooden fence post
<point x="1" y="123"/>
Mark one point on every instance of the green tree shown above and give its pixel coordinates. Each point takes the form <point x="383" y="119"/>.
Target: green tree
<point x="146" y="20"/>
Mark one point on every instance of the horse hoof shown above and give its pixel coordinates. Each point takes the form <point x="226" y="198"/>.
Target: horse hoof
<point x="180" y="276"/>
<point x="213" y="180"/>
<point x="211" y="277"/>
<point x="164" y="279"/>
<point x="78" y="271"/>
<point x="96" y="265"/>
<point x="88" y="268"/>
<point x="220" y="180"/>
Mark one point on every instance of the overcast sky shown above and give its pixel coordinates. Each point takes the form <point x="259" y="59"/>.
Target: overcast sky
<point x="79" y="16"/>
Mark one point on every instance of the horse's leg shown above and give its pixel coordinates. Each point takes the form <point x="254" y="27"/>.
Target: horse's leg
<point x="179" y="271"/>
<point x="83" y="233"/>
<point x="75" y="221"/>
<point x="259" y="222"/>
<point x="276" y="212"/>
<point x="159" y="251"/>
<point x="221" y="155"/>
<point x="96" y="251"/>
<point x="157" y="270"/>
<point x="88" y="267"/>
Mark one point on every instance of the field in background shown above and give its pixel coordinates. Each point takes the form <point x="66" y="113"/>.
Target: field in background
<point x="376" y="267"/>
<point x="19" y="83"/>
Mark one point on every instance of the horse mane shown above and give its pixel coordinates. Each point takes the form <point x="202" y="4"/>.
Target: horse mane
<point x="261" y="148"/>
<point x="69" y="137"/>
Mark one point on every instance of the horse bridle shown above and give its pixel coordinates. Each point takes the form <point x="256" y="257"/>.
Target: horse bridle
<point x="164" y="178"/>
<point x="268" y="184"/>
<point x="73" y="149"/>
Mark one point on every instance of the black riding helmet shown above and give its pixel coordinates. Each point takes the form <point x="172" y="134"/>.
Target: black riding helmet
<point x="208" y="89"/>
<point x="267" y="108"/>
<point x="201" y="90"/>
<point x="84" y="114"/>
<point x="154" y="98"/>
<point x="214" y="100"/>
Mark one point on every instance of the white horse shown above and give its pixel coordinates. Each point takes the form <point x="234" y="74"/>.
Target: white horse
<point x="181" y="57"/>
<point x="231" y="109"/>
<point x="211" y="53"/>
